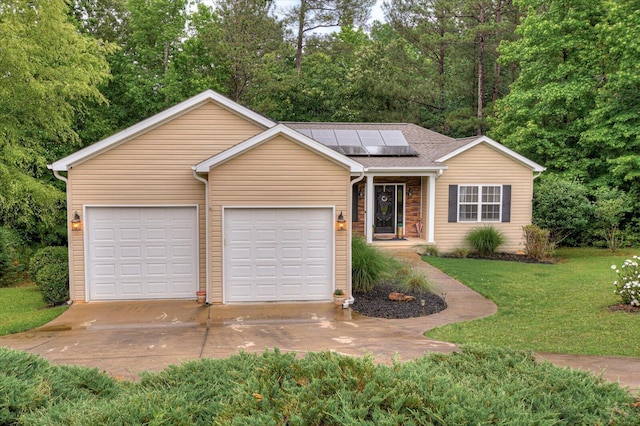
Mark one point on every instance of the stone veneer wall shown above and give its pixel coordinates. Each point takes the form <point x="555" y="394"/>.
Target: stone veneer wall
<point x="411" y="208"/>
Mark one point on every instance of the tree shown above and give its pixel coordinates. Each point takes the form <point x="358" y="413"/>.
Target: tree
<point x="310" y="15"/>
<point x="49" y="71"/>
<point x="559" y="58"/>
<point x="240" y="34"/>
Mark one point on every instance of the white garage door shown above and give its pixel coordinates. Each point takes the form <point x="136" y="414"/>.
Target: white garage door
<point x="142" y="252"/>
<point x="278" y="254"/>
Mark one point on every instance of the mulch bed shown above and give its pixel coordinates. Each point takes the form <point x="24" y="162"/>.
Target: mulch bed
<point x="376" y="303"/>
<point x="625" y="308"/>
<point x="510" y="257"/>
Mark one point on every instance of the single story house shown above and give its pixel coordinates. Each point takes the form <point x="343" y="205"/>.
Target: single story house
<point x="209" y="195"/>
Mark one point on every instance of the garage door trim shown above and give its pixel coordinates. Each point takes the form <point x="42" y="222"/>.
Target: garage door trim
<point x="332" y="253"/>
<point x="86" y="234"/>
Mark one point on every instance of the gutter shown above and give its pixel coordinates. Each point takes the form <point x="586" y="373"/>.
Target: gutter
<point x="206" y="232"/>
<point x="349" y="256"/>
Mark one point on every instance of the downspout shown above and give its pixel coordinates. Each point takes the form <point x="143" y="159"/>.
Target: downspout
<point x="349" y="259"/>
<point x="206" y="230"/>
<point x="537" y="176"/>
<point x="66" y="183"/>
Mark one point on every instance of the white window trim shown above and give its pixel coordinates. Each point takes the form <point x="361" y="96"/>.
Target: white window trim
<point x="479" y="204"/>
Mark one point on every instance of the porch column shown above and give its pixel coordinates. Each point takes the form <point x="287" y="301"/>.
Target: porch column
<point x="369" y="209"/>
<point x="431" y="207"/>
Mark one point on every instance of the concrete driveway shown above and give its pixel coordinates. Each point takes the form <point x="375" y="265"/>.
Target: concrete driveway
<point x="125" y="338"/>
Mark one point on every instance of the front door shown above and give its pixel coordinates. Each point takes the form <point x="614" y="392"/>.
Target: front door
<point x="389" y="208"/>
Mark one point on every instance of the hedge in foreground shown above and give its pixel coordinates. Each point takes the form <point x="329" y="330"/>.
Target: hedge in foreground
<point x="477" y="386"/>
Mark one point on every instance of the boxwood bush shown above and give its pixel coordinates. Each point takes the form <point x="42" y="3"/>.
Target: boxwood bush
<point x="49" y="268"/>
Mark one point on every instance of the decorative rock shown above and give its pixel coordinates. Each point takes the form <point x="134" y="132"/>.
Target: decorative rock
<point x="401" y="297"/>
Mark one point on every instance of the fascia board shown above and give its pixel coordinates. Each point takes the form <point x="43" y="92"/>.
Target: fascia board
<point x="250" y="143"/>
<point x="150" y="123"/>
<point x="498" y="147"/>
<point x="404" y="171"/>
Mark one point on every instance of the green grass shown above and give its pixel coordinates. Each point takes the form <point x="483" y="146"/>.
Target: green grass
<point x="22" y="309"/>
<point x="559" y="308"/>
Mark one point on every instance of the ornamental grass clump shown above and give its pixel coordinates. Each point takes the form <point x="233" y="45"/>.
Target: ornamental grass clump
<point x="627" y="286"/>
<point x="485" y="240"/>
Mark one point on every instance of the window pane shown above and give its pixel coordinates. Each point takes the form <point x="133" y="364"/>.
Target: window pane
<point x="468" y="194"/>
<point x="491" y="212"/>
<point x="491" y="194"/>
<point x="468" y="212"/>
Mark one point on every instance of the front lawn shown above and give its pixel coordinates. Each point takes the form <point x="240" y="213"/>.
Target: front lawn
<point x="22" y="309"/>
<point x="547" y="308"/>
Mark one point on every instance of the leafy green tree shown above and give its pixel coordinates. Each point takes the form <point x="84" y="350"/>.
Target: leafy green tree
<point x="558" y="55"/>
<point x="239" y="36"/>
<point x="49" y="72"/>
<point x="611" y="143"/>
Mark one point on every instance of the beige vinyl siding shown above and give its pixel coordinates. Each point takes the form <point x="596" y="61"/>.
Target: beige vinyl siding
<point x="154" y="169"/>
<point x="278" y="173"/>
<point x="483" y="165"/>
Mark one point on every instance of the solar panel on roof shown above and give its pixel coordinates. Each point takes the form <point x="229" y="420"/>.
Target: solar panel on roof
<point x="381" y="151"/>
<point x="370" y="137"/>
<point x="393" y="138"/>
<point x="325" y="136"/>
<point x="354" y="150"/>
<point x="347" y="138"/>
<point x="374" y="143"/>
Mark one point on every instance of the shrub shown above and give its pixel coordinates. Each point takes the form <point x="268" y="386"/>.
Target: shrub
<point x="368" y="266"/>
<point x="7" y="267"/>
<point x="474" y="386"/>
<point x="459" y="252"/>
<point x="428" y="250"/>
<point x="609" y="210"/>
<point x="485" y="239"/>
<point x="415" y="282"/>
<point x="47" y="256"/>
<point x="53" y="282"/>
<point x="627" y="286"/>
<point x="537" y="242"/>
<point x="562" y="206"/>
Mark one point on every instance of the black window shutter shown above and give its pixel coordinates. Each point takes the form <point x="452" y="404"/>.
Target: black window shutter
<point x="506" y="203"/>
<point x="354" y="203"/>
<point x="453" y="203"/>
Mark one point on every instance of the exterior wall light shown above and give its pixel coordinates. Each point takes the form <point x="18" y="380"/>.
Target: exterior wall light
<point x="409" y="193"/>
<point x="361" y="193"/>
<point x="76" y="222"/>
<point x="341" y="222"/>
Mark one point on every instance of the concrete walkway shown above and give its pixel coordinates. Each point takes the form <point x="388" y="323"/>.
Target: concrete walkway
<point x="125" y="338"/>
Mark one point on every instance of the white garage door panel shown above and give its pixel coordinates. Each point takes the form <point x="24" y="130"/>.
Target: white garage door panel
<point x="276" y="254"/>
<point x="142" y="252"/>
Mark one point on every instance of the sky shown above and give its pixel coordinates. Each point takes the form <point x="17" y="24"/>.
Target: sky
<point x="376" y="13"/>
